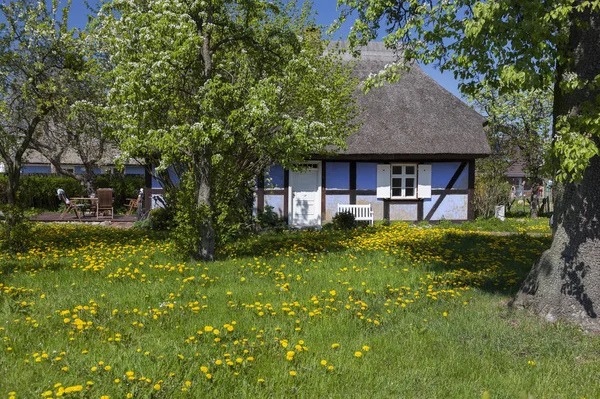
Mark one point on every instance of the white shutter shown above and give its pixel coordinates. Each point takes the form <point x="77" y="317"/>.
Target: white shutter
<point x="424" y="179"/>
<point x="383" y="181"/>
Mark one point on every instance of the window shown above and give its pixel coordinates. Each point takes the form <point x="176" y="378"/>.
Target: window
<point x="404" y="181"/>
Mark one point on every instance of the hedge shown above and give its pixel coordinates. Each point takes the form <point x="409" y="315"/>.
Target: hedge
<point x="39" y="191"/>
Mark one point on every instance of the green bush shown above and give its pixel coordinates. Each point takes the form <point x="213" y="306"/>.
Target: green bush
<point x="268" y="220"/>
<point x="39" y="191"/>
<point x="15" y="230"/>
<point x="343" y="221"/>
<point x="159" y="219"/>
<point x="124" y="186"/>
<point x="489" y="192"/>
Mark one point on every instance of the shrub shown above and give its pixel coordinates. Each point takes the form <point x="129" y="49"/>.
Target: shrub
<point x="39" y="191"/>
<point x="124" y="186"/>
<point x="343" y="221"/>
<point x="15" y="230"/>
<point x="268" y="220"/>
<point x="490" y="192"/>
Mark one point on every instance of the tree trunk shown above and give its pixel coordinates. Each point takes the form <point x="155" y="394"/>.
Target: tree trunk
<point x="565" y="283"/>
<point x="14" y="180"/>
<point x="534" y="201"/>
<point x="206" y="245"/>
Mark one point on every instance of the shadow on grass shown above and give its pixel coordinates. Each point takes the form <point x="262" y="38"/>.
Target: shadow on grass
<point x="489" y="262"/>
<point x="305" y="241"/>
<point x="496" y="264"/>
<point x="11" y="266"/>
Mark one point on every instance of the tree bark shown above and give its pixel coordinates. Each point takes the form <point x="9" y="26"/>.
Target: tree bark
<point x="14" y="180"/>
<point x="565" y="283"/>
<point x="206" y="248"/>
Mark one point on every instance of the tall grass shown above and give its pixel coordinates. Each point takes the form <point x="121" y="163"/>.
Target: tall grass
<point x="398" y="311"/>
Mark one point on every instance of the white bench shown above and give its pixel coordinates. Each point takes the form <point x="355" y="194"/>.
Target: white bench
<point x="360" y="212"/>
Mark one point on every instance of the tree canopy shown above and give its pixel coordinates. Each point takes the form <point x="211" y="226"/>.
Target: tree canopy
<point x="515" y="46"/>
<point x="221" y="90"/>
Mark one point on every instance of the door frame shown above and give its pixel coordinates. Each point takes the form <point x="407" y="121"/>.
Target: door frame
<point x="318" y="193"/>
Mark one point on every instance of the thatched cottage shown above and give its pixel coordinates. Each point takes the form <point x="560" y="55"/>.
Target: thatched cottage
<point x="413" y="158"/>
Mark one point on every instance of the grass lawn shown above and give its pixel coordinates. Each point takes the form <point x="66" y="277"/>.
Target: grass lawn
<point x="384" y="312"/>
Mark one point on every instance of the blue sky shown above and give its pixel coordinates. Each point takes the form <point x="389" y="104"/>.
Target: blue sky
<point x="326" y="13"/>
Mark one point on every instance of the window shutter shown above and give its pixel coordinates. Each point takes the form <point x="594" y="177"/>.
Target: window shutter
<point x="383" y="181"/>
<point x="424" y="178"/>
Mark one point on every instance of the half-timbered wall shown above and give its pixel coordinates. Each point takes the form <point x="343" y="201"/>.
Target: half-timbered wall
<point x="355" y="182"/>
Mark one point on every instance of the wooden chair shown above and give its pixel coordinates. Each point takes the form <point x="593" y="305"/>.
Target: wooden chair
<point x="134" y="203"/>
<point x="69" y="205"/>
<point x="104" y="203"/>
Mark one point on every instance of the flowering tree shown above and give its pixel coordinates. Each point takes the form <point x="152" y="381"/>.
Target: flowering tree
<point x="38" y="56"/>
<point x="521" y="45"/>
<point x="221" y="89"/>
<point x="78" y="127"/>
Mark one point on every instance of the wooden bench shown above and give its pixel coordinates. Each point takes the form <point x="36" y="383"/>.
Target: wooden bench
<point x="360" y="212"/>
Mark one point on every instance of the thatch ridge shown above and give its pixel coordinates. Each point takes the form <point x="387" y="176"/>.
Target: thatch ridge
<point x="413" y="116"/>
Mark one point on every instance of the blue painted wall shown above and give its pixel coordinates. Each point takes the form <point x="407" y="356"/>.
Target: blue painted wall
<point x="31" y="169"/>
<point x="376" y="204"/>
<point x="276" y="201"/>
<point x="454" y="206"/>
<point x="337" y="175"/>
<point x="442" y="172"/>
<point x="156" y="184"/>
<point x="274" y="178"/>
<point x="134" y="170"/>
<point x="407" y="212"/>
<point x="366" y="176"/>
<point x="331" y="203"/>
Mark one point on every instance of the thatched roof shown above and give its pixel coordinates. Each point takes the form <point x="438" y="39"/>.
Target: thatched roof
<point x="70" y="157"/>
<point x="413" y="117"/>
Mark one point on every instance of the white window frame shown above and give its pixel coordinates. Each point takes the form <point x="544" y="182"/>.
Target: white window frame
<point x="403" y="176"/>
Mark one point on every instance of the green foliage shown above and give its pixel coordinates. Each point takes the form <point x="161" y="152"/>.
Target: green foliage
<point x="189" y="219"/>
<point x="39" y="191"/>
<point x="37" y="68"/>
<point x="268" y="220"/>
<point x="343" y="221"/>
<point x="15" y="229"/>
<point x="509" y="46"/>
<point x="159" y="219"/>
<point x="124" y="186"/>
<point x="489" y="192"/>
<point x="243" y="86"/>
<point x="519" y="128"/>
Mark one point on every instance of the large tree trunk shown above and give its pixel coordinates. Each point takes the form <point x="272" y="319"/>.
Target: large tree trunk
<point x="565" y="282"/>
<point x="206" y="247"/>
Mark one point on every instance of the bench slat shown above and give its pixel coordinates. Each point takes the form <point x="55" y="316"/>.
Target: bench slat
<point x="360" y="212"/>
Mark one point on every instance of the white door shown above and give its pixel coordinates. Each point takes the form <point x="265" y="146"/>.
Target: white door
<point x="305" y="195"/>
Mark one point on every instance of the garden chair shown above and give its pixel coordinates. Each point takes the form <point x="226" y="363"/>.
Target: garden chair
<point x="134" y="203"/>
<point x="104" y="203"/>
<point x="69" y="205"/>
